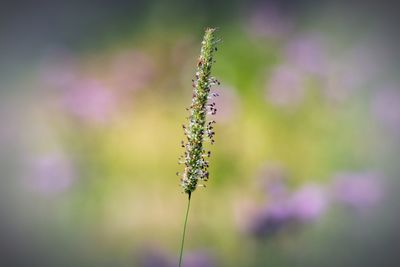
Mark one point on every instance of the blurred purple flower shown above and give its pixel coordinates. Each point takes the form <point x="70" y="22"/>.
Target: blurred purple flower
<point x="154" y="258"/>
<point x="285" y="87"/>
<point x="270" y="22"/>
<point x="227" y="104"/>
<point x="90" y="101"/>
<point x="357" y="190"/>
<point x="307" y="53"/>
<point x="52" y="173"/>
<point x="386" y="107"/>
<point x="273" y="179"/>
<point x="158" y="258"/>
<point x="198" y="259"/>
<point x="269" y="220"/>
<point x="309" y="203"/>
<point x="131" y="70"/>
<point x="305" y="205"/>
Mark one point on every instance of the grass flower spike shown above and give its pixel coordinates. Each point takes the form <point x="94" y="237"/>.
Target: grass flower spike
<point x="198" y="130"/>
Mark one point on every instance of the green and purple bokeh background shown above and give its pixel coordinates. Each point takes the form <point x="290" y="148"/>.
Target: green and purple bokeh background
<point x="305" y="168"/>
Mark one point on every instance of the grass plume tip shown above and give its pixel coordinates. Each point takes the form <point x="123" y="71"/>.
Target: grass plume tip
<point x="199" y="129"/>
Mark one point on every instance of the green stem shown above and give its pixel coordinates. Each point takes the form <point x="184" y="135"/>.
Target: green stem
<point x="184" y="231"/>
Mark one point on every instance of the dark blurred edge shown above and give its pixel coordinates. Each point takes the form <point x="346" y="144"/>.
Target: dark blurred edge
<point x="28" y="27"/>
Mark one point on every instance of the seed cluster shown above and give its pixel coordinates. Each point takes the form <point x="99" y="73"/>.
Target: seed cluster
<point x="198" y="129"/>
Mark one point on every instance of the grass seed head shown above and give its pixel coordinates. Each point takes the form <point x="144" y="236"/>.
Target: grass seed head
<point x="198" y="130"/>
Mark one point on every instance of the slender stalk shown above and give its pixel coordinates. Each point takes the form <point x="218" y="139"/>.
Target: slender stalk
<point x="184" y="231"/>
<point x="198" y="130"/>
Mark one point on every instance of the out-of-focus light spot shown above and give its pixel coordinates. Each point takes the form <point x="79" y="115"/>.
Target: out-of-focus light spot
<point x="152" y="257"/>
<point x="386" y="108"/>
<point x="270" y="220"/>
<point x="273" y="178"/>
<point x="350" y="72"/>
<point x="131" y="70"/>
<point x="50" y="174"/>
<point x="285" y="88"/>
<point x="306" y="53"/>
<point x="198" y="259"/>
<point x="90" y="101"/>
<point x="269" y="22"/>
<point x="357" y="190"/>
<point x="156" y="257"/>
<point x="309" y="203"/>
